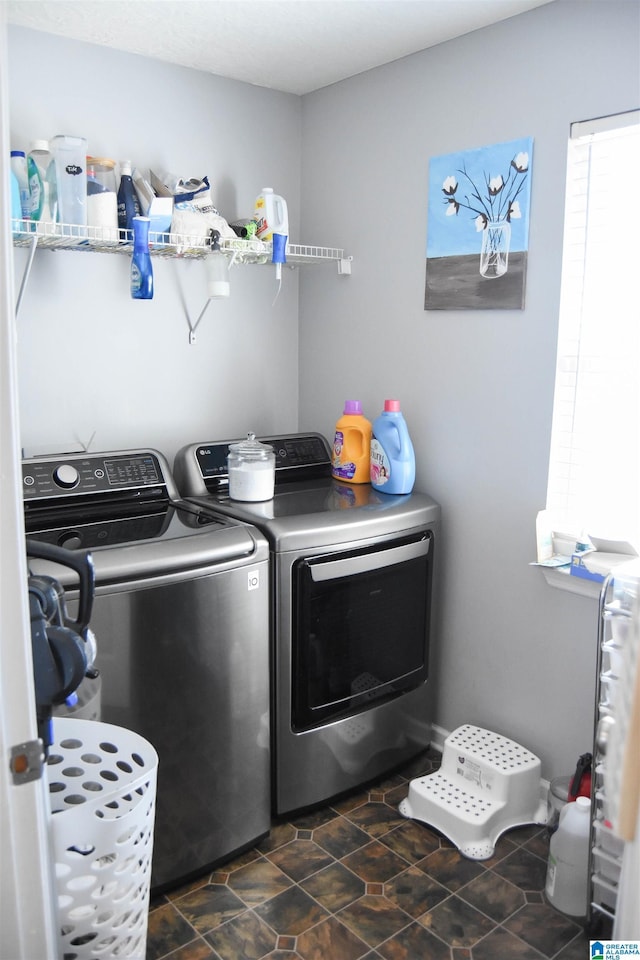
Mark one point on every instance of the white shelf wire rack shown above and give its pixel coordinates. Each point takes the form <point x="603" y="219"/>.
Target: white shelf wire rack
<point x="64" y="236"/>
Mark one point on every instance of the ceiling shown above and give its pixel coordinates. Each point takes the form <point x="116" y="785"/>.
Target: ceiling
<point x="295" y="46"/>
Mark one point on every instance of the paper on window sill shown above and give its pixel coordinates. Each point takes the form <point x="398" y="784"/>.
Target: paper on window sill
<point x="556" y="561"/>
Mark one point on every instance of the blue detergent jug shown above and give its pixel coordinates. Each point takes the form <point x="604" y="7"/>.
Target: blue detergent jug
<point x="393" y="462"/>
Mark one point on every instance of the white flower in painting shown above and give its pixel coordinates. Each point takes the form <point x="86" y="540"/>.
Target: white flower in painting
<point x="520" y="162"/>
<point x="514" y="212"/>
<point x="491" y="198"/>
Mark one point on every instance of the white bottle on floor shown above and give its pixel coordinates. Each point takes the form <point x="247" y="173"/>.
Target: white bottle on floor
<point x="567" y="886"/>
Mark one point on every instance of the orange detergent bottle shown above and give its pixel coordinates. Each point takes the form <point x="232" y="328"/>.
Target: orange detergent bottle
<point x="352" y="445"/>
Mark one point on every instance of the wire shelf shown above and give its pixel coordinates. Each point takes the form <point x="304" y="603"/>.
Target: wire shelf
<point x="86" y="239"/>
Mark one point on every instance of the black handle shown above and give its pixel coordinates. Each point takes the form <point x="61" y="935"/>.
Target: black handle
<point x="79" y="561"/>
<point x="583" y="766"/>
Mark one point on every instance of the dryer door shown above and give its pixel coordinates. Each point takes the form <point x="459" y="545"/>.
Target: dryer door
<point x="361" y="628"/>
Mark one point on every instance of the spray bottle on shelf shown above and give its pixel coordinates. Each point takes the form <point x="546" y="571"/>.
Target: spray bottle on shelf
<point x="141" y="268"/>
<point x="217" y="269"/>
<point x="393" y="462"/>
<point x="351" y="445"/>
<point x="272" y="221"/>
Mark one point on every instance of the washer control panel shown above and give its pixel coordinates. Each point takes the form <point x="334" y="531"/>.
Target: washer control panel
<point x="86" y="474"/>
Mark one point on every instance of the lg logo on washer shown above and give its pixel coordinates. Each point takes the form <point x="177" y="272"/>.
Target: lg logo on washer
<point x="253" y="579"/>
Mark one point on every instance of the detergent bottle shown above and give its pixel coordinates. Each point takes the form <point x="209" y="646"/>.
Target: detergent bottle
<point x="271" y="215"/>
<point x="351" y="445"/>
<point x="272" y="224"/>
<point x="393" y="462"/>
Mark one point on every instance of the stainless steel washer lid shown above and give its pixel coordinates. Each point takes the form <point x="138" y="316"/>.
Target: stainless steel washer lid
<point x="180" y="552"/>
<point x="313" y="511"/>
<point x="118" y="505"/>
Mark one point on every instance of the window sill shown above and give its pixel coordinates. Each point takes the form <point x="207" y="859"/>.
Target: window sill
<point x="561" y="579"/>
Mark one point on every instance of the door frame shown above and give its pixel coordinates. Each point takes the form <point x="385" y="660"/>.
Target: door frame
<point x="27" y="889"/>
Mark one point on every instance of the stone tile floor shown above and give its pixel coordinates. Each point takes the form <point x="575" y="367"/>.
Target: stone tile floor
<point x="357" y="881"/>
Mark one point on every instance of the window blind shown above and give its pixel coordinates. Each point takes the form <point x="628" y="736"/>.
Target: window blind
<point x="594" y="466"/>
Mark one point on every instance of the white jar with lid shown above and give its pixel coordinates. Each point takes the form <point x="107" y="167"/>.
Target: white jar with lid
<point x="102" y="203"/>
<point x="251" y="466"/>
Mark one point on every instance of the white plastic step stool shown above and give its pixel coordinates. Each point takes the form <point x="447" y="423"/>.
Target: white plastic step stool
<point x="486" y="784"/>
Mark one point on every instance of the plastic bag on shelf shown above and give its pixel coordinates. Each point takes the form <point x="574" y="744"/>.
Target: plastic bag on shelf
<point x="194" y="214"/>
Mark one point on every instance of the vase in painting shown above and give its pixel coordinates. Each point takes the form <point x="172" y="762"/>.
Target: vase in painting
<point x="494" y="255"/>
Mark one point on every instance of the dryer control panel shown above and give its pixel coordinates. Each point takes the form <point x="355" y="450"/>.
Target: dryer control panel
<point x="202" y="467"/>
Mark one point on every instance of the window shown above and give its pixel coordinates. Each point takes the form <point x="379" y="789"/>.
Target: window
<point x="594" y="473"/>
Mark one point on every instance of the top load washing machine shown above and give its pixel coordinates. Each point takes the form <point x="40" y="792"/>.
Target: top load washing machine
<point x="181" y="618"/>
<point x="352" y="587"/>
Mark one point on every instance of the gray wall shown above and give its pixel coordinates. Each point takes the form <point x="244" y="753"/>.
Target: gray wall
<point x="92" y="359"/>
<point x="511" y="654"/>
<point x="476" y="387"/>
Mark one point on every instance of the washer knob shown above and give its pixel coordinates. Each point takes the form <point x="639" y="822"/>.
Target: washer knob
<point x="66" y="476"/>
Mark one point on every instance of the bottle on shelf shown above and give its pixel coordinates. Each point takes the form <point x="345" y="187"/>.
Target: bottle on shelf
<point x="41" y="172"/>
<point x="16" y="210"/>
<point x="102" y="204"/>
<point x="270" y="214"/>
<point x="70" y="159"/>
<point x="272" y="221"/>
<point x="217" y="269"/>
<point x="141" y="267"/>
<point x="19" y="168"/>
<point x="128" y="203"/>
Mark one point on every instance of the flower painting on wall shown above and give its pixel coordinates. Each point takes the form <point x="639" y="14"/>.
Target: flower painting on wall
<point x="478" y="227"/>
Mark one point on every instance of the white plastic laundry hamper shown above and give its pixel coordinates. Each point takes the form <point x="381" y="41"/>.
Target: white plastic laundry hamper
<point x="486" y="784"/>
<point x="102" y="787"/>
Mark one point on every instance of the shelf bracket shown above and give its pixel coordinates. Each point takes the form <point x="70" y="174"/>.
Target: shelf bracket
<point x="194" y="326"/>
<point x="27" y="271"/>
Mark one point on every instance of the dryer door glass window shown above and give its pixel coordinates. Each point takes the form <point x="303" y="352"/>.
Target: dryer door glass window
<point x="361" y="628"/>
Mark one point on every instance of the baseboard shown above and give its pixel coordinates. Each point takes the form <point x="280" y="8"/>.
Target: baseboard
<point x="438" y="737"/>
